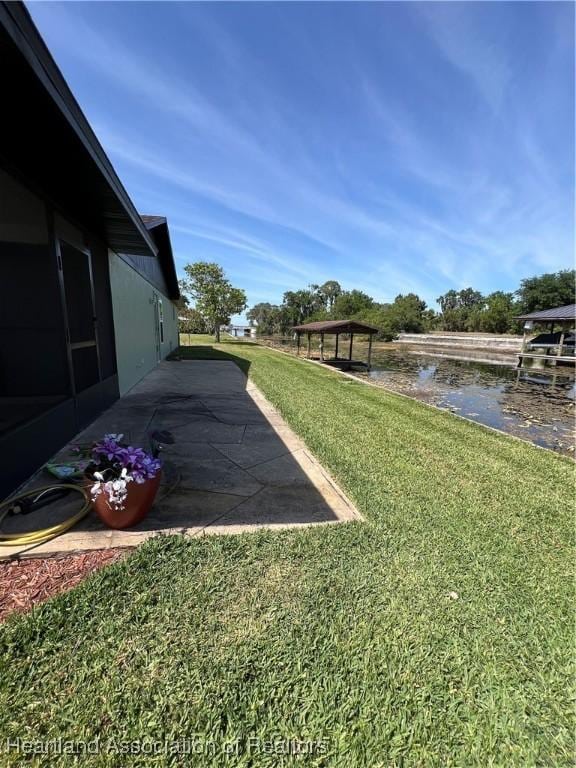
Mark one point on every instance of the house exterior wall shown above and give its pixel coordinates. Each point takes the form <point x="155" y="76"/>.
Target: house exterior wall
<point x="42" y="402"/>
<point x="135" y="305"/>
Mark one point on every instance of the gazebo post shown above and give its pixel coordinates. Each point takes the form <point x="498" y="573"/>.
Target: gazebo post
<point x="336" y="352"/>
<point x="321" y="347"/>
<point x="561" y="341"/>
<point x="524" y="340"/>
<point x="308" y="355"/>
<point x="350" y="350"/>
<point x="369" y="351"/>
<point x="298" y="343"/>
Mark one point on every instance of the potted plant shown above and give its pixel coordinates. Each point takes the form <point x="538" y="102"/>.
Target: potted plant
<point x="126" y="481"/>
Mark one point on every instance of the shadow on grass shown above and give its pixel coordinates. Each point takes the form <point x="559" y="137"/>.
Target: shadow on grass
<point x="208" y="352"/>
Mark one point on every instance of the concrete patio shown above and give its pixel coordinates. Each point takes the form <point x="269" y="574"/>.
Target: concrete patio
<point x="234" y="464"/>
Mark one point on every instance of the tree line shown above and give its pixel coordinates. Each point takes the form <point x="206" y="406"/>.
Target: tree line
<point x="209" y="300"/>
<point x="464" y="310"/>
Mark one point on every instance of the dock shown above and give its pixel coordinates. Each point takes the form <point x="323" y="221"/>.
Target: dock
<point x="549" y="351"/>
<point x="343" y="364"/>
<point x="546" y="363"/>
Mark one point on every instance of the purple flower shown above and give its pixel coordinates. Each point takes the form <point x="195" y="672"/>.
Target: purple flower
<point x="109" y="448"/>
<point x="115" y="465"/>
<point x="111" y="455"/>
<point x="142" y="466"/>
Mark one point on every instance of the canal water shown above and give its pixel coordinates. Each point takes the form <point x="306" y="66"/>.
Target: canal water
<point x="531" y="405"/>
<point x="534" y="406"/>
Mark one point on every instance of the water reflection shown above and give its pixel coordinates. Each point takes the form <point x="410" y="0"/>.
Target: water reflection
<point x="537" y="407"/>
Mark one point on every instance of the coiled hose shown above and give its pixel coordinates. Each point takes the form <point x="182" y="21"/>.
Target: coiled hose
<point x="34" y="538"/>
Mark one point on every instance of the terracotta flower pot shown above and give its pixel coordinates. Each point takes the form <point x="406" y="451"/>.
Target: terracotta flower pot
<point x="136" y="506"/>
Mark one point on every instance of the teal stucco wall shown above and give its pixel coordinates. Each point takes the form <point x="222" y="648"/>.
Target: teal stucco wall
<point x="136" y="308"/>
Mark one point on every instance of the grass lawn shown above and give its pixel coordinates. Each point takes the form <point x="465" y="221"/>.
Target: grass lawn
<point x="437" y="633"/>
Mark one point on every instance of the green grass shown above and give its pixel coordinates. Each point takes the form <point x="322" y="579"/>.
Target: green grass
<point x="347" y="633"/>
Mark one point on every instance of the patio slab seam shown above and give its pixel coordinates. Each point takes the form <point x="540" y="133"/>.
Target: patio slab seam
<point x="224" y="492"/>
<point x="224" y="514"/>
<point x="248" y="467"/>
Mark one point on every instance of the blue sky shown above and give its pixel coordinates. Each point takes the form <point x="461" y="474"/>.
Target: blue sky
<point x="393" y="147"/>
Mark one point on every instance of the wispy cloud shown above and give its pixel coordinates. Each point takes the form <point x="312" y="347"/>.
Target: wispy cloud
<point x="418" y="164"/>
<point x="478" y="51"/>
<point x="253" y="248"/>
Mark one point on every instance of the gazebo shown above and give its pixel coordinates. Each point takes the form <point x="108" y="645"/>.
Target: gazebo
<point x="336" y="328"/>
<point x="558" y="346"/>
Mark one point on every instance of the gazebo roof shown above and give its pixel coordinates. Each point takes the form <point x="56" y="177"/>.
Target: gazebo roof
<point x="335" y="326"/>
<point x="557" y="314"/>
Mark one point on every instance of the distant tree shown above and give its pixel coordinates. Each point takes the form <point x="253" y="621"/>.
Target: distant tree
<point x="300" y="305"/>
<point x="330" y="290"/>
<point x="430" y="319"/>
<point x="189" y="319"/>
<point x="378" y="316"/>
<point x="554" y="289"/>
<point x="448" y="301"/>
<point x="285" y="321"/>
<point x="183" y="301"/>
<point x="408" y="313"/>
<point x="458" y="307"/>
<point x="405" y="313"/>
<point x="497" y="313"/>
<point x="467" y="297"/>
<point x="351" y="304"/>
<point x="266" y="317"/>
<point x="215" y="298"/>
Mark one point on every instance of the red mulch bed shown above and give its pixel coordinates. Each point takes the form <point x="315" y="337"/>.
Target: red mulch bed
<point x="24" y="583"/>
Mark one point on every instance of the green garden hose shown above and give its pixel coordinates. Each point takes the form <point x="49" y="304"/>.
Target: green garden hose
<point x="42" y="535"/>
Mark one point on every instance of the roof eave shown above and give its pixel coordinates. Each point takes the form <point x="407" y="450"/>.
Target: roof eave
<point x="122" y="225"/>
<point x="159" y="224"/>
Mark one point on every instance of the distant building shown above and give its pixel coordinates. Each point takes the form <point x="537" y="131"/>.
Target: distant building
<point x="246" y="331"/>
